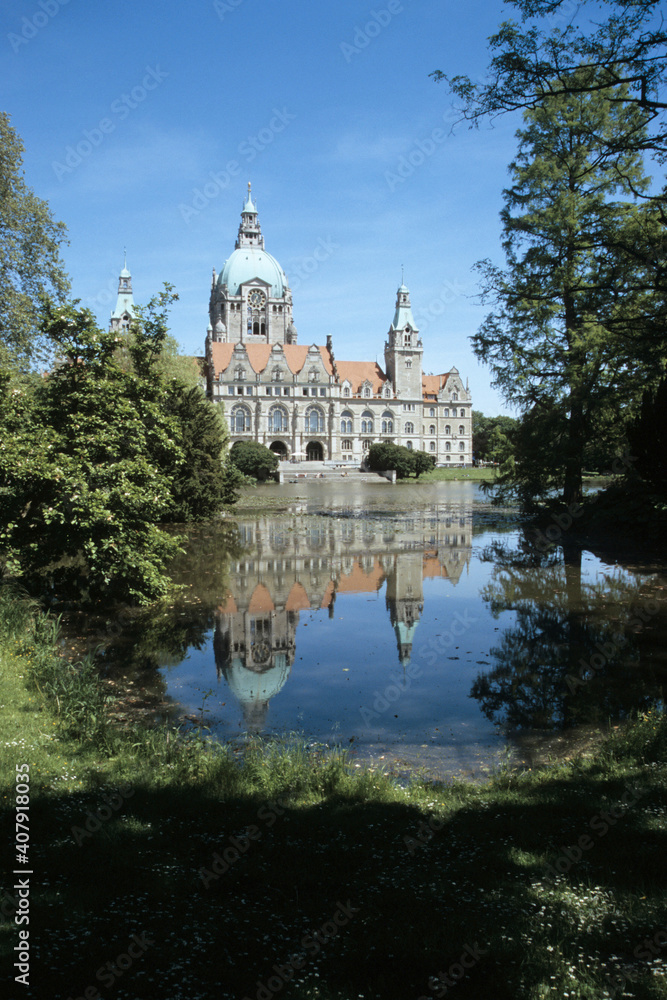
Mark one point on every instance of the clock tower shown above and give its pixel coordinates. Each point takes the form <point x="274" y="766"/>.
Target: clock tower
<point x="403" y="350"/>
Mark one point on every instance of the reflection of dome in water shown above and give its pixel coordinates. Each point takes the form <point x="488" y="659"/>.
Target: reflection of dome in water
<point x="254" y="690"/>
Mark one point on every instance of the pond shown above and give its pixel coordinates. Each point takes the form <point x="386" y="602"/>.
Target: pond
<point x="415" y="625"/>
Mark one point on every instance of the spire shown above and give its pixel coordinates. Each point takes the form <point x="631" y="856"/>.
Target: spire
<point x="123" y="314"/>
<point x="249" y="207"/>
<point x="250" y="233"/>
<point x="403" y="314"/>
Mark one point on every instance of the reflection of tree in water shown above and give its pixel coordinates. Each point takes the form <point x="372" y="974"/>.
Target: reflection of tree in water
<point x="161" y="636"/>
<point x="573" y="654"/>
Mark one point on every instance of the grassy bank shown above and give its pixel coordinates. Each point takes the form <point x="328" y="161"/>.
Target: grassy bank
<point x="446" y="475"/>
<point x="548" y="884"/>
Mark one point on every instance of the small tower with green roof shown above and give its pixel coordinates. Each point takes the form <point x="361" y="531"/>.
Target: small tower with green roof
<point x="123" y="314"/>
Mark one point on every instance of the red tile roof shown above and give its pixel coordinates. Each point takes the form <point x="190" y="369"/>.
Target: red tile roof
<point x="260" y="355"/>
<point x="432" y="384"/>
<point x="358" y="372"/>
<point x="261" y="601"/>
<point x="297" y="599"/>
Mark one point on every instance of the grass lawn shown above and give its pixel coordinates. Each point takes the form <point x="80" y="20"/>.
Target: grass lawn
<point x="166" y="868"/>
<point x="445" y="475"/>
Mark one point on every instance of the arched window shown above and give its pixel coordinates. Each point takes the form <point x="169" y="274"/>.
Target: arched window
<point x="408" y="363"/>
<point x="462" y="429"/>
<point x="313" y="375"/>
<point x="408" y="444"/>
<point x="367" y="422"/>
<point x="249" y="320"/>
<point x="446" y="411"/>
<point x="314" y="420"/>
<point x="463" y="412"/>
<point x="240" y="420"/>
<point x="278" y="421"/>
<point x="387" y="422"/>
<point x="367" y="391"/>
<point x="239" y="373"/>
<point x="448" y="446"/>
<point x="346" y="390"/>
<point x="346" y="445"/>
<point x="406" y="340"/>
<point x="346" y="422"/>
<point x="462" y="446"/>
<point x="448" y="429"/>
<point x="432" y="446"/>
<point x="277" y="374"/>
<point x="387" y="392"/>
<point x="431" y="412"/>
<point x="455" y="396"/>
<point x="431" y="429"/>
<point x="409" y="429"/>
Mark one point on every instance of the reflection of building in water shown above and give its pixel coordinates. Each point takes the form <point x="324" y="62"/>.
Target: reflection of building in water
<point x="405" y="600"/>
<point x="296" y="565"/>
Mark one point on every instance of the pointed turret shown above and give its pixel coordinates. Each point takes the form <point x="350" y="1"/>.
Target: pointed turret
<point x="403" y="318"/>
<point x="250" y="233"/>
<point x="123" y="314"/>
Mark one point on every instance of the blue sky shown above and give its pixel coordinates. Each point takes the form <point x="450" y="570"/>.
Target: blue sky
<point x="143" y="123"/>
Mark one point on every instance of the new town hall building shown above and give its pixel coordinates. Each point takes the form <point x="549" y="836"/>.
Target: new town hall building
<point x="301" y="400"/>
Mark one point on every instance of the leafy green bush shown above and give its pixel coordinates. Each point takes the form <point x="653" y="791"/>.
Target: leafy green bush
<point x="253" y="459"/>
<point x="405" y="461"/>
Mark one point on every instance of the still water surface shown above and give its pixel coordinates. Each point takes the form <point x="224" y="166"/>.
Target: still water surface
<point x="414" y="625"/>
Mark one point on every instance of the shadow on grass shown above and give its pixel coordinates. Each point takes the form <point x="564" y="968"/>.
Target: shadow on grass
<point x="216" y="891"/>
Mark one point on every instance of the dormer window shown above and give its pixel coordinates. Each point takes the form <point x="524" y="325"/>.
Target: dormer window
<point x="367" y="391"/>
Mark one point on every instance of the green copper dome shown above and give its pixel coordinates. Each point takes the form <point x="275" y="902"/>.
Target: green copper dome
<point x="247" y="263"/>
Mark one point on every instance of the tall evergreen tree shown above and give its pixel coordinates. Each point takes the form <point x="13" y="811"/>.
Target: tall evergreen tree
<point x="565" y="339"/>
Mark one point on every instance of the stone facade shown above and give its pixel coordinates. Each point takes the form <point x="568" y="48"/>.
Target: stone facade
<point x="301" y="401"/>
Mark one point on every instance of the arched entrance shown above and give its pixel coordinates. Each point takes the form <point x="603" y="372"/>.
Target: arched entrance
<point x="280" y="448"/>
<point x="314" y="452"/>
